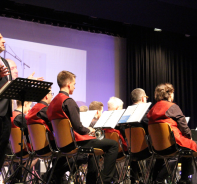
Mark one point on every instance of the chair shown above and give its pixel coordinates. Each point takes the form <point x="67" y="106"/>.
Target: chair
<point x="123" y="159"/>
<point x="41" y="145"/>
<point x="65" y="141"/>
<point x="15" y="141"/>
<point x="139" y="149"/>
<point x="164" y="146"/>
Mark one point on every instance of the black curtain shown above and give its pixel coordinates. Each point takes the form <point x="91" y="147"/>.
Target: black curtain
<point x="159" y="57"/>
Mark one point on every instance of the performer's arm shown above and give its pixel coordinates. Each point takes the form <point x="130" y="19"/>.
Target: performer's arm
<point x="72" y="111"/>
<point x="43" y="115"/>
<point x="176" y="114"/>
<point x="20" y="121"/>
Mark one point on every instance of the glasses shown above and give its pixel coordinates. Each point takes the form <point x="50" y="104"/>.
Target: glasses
<point x="146" y="97"/>
<point x="52" y="94"/>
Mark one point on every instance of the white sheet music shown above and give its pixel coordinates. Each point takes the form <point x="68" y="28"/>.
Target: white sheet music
<point x="104" y="117"/>
<point x="109" y="119"/>
<point x="87" y="117"/>
<point x="114" y="118"/>
<point x="134" y="113"/>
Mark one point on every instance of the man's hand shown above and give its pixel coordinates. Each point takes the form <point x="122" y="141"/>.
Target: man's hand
<point x="34" y="78"/>
<point x="3" y="71"/>
<point x="92" y="131"/>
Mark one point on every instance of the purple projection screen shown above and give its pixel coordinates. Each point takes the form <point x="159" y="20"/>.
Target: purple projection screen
<point x="98" y="60"/>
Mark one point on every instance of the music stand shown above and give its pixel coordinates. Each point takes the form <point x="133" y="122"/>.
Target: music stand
<point x="25" y="90"/>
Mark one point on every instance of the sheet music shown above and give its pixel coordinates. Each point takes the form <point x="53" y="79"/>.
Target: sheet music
<point x="114" y="118"/>
<point x="134" y="113"/>
<point x="104" y="117"/>
<point x="87" y="117"/>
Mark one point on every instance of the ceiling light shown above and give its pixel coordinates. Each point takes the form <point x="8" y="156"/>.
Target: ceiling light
<point x="157" y="29"/>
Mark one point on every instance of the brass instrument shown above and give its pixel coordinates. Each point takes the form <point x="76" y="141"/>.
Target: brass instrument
<point x="99" y="133"/>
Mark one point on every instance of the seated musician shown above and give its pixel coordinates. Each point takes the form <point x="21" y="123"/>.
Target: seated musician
<point x="38" y="114"/>
<point x="64" y="107"/>
<point x="165" y="111"/>
<point x="138" y="96"/>
<point x="18" y="120"/>
<point x="115" y="103"/>
<point x="95" y="105"/>
<point x="83" y="108"/>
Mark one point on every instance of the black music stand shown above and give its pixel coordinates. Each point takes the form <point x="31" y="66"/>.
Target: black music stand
<point x="25" y="90"/>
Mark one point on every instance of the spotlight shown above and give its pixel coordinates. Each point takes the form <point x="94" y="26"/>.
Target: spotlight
<point x="157" y="29"/>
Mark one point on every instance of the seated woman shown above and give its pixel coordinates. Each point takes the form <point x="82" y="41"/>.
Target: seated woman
<point x="165" y="111"/>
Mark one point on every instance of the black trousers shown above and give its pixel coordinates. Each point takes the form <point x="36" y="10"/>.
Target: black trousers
<point x="5" y="129"/>
<point x="110" y="147"/>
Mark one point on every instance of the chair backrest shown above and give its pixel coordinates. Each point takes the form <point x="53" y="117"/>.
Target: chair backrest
<point x="161" y="136"/>
<point x="114" y="136"/>
<point x="62" y="132"/>
<point x="136" y="139"/>
<point x="15" y="139"/>
<point x="37" y="133"/>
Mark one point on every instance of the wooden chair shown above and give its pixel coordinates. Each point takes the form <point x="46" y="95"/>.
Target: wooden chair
<point x="123" y="159"/>
<point x="40" y="141"/>
<point x="15" y="141"/>
<point x="139" y="149"/>
<point x="65" y="141"/>
<point x="164" y="146"/>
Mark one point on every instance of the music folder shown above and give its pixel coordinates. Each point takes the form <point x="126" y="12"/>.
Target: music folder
<point x="134" y="113"/>
<point x="109" y="119"/>
<point x="87" y="117"/>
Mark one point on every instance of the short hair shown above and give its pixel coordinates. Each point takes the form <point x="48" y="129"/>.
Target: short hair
<point x="163" y="91"/>
<point x="19" y="103"/>
<point x="114" y="102"/>
<point x="83" y="108"/>
<point x="137" y="94"/>
<point x="95" y="105"/>
<point x="63" y="77"/>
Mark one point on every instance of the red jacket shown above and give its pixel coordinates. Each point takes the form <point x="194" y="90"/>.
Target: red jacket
<point x="32" y="118"/>
<point x="55" y="111"/>
<point x="158" y="115"/>
<point x="110" y="130"/>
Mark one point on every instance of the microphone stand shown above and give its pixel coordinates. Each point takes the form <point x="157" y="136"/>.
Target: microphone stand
<point x="15" y="56"/>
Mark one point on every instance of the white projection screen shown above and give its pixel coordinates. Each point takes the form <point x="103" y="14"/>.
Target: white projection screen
<point x="47" y="61"/>
<point x="98" y="60"/>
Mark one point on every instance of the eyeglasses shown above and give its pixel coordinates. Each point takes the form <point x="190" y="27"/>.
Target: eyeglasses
<point x="52" y="94"/>
<point x="146" y="97"/>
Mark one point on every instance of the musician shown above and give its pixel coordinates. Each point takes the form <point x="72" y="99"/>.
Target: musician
<point x="38" y="115"/>
<point x="18" y="119"/>
<point x="83" y="108"/>
<point x="113" y="104"/>
<point x="5" y="105"/>
<point x="138" y="96"/>
<point x="167" y="111"/>
<point x="61" y="107"/>
<point x="95" y="105"/>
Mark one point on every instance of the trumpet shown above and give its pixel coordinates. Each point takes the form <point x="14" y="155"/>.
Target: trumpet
<point x="99" y="134"/>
